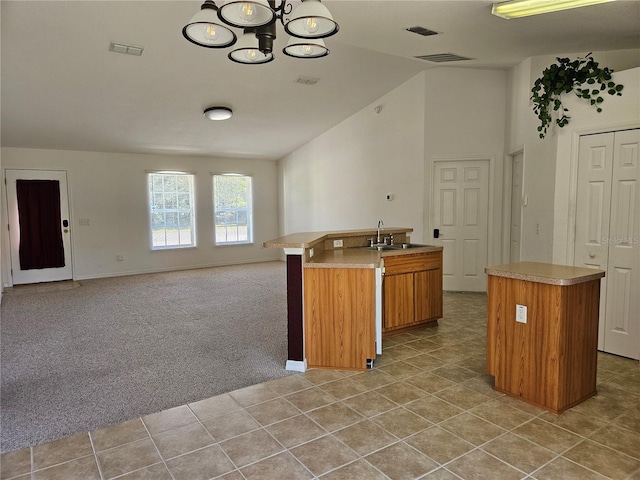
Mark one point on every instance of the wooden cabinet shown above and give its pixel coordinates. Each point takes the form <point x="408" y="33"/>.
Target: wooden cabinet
<point x="412" y="291"/>
<point x="339" y="317"/>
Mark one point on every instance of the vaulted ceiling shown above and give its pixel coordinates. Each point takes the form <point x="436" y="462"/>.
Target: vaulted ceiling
<point x="63" y="89"/>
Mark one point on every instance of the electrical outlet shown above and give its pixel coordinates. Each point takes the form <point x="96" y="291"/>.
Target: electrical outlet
<point x="311" y="253"/>
<point x="119" y="258"/>
<point x="521" y="313"/>
<point x="537" y="228"/>
<point x="337" y="244"/>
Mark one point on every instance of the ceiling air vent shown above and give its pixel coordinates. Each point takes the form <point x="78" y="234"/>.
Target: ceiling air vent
<point x="307" y="80"/>
<point x="425" y="32"/>
<point x="126" y="49"/>
<point x="443" y="57"/>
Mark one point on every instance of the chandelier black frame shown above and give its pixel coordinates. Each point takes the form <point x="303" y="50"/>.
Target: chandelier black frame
<point x="308" y="24"/>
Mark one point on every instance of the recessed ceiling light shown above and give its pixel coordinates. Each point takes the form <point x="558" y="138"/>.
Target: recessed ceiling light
<point x="218" y="113"/>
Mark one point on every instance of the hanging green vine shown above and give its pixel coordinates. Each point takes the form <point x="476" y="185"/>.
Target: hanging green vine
<point x="582" y="76"/>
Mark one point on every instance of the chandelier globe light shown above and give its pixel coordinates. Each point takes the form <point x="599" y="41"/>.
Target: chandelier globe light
<point x="311" y="20"/>
<point x="247" y="13"/>
<point x="300" y="48"/>
<point x="308" y="24"/>
<point x="247" y="50"/>
<point x="205" y="29"/>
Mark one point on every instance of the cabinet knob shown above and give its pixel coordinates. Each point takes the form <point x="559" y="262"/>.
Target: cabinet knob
<point x="592" y="255"/>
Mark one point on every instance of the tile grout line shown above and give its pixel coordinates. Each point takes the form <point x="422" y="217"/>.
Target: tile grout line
<point x="95" y="456"/>
<point x="157" y="450"/>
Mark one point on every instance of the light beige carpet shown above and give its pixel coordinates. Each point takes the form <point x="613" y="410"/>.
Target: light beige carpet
<point x="113" y="349"/>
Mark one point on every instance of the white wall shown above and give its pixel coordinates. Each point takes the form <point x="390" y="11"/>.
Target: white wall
<point x="111" y="191"/>
<point x="465" y="119"/>
<point x="339" y="180"/>
<point x="617" y="113"/>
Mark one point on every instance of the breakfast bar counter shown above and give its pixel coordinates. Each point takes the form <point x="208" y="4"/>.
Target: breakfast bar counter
<point x="335" y="293"/>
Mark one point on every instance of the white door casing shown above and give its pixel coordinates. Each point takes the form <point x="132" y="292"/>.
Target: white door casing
<point x="607" y="233"/>
<point x="20" y="276"/>
<point x="460" y="206"/>
<point x="515" y="232"/>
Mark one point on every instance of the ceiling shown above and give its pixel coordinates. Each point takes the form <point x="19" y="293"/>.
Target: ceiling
<point x="63" y="89"/>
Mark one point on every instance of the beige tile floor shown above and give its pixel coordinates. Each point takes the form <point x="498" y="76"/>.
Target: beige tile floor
<point x="426" y="410"/>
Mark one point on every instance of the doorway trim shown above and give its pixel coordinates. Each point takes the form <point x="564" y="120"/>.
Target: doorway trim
<point x="8" y="252"/>
<point x="507" y="176"/>
<point x="494" y="242"/>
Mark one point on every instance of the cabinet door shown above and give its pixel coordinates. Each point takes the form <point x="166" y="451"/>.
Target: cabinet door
<point x="339" y="317"/>
<point x="398" y="300"/>
<point x="428" y="295"/>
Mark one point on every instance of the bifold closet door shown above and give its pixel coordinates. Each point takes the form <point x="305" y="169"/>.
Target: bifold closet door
<point x="608" y="231"/>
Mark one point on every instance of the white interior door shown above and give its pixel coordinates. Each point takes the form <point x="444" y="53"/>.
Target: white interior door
<point x="22" y="275"/>
<point x="461" y="204"/>
<point x="516" y="209"/>
<point x="607" y="233"/>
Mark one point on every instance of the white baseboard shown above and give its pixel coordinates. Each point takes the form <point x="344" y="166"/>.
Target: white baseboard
<point x="296" y="365"/>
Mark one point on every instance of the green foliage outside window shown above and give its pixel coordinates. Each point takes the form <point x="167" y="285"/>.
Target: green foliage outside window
<point x="233" y="209"/>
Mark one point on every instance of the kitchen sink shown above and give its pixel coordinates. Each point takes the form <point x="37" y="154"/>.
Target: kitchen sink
<point x="405" y="246"/>
<point x="379" y="248"/>
<point x="399" y="246"/>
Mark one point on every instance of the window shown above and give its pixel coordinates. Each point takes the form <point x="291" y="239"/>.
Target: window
<point x="232" y="209"/>
<point x="171" y="208"/>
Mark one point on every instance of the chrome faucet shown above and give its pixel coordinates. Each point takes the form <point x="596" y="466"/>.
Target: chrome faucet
<point x="380" y="227"/>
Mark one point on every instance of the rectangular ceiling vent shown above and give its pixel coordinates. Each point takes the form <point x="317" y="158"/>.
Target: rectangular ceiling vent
<point x="443" y="57"/>
<point x="307" y="80"/>
<point x="425" y="32"/>
<point x="126" y="49"/>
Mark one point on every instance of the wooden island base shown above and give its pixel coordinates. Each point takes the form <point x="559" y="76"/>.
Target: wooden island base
<point x="549" y="357"/>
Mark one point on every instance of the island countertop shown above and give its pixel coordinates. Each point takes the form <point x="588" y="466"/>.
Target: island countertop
<point x="545" y="273"/>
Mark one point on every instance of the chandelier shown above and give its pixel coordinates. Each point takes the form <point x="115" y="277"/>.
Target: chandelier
<point x="309" y="23"/>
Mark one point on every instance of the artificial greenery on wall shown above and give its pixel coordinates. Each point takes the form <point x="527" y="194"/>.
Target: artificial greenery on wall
<point x="582" y="76"/>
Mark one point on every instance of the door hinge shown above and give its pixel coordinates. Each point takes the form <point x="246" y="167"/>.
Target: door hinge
<point x="8" y="226"/>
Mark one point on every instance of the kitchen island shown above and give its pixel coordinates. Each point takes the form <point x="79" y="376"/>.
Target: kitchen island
<point x="542" y="332"/>
<point x="335" y="294"/>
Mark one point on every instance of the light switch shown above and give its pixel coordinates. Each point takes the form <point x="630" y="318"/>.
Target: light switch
<point x="521" y="313"/>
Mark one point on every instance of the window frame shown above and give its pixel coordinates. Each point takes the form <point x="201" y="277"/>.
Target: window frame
<point x="192" y="211"/>
<point x="249" y="210"/>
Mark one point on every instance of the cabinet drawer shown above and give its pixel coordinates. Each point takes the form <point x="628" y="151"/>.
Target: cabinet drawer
<point x="412" y="263"/>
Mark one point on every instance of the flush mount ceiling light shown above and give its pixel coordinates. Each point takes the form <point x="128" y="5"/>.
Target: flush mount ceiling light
<point x="218" y="113"/>
<point x="309" y="23"/>
<point x="525" y="8"/>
